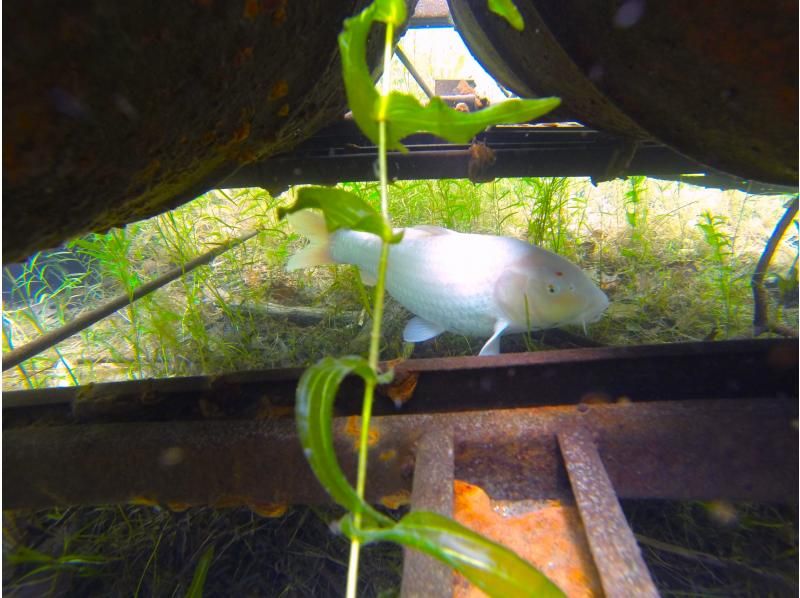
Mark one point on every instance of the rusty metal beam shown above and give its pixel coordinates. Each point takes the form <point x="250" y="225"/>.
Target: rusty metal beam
<point x="760" y="368"/>
<point x="432" y="491"/>
<point x="735" y="449"/>
<point x="616" y="554"/>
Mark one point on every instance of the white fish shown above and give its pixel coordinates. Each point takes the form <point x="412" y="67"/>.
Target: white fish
<point x="476" y="285"/>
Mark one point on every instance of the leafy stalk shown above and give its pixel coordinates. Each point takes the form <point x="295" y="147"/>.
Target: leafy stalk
<point x="386" y="118"/>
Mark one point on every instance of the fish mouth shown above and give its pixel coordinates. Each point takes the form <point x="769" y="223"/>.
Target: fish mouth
<point x="593" y="310"/>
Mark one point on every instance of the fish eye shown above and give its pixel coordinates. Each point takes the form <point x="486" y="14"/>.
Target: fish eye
<point x="552" y="288"/>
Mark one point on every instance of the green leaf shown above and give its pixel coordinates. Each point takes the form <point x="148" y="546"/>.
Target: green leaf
<point x="493" y="568"/>
<point x="405" y="115"/>
<point x="314" y="414"/>
<point x="343" y="209"/>
<point x="200" y="573"/>
<point x="507" y="10"/>
<point x="362" y="97"/>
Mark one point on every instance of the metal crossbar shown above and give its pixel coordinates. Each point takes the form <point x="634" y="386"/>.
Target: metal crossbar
<point x="584" y="427"/>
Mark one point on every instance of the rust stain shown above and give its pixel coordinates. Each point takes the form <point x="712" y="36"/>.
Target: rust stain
<point x="387" y="455"/>
<point x="242" y="56"/>
<point x="396" y="500"/>
<point x="242" y="133"/>
<point x="146" y="501"/>
<point x="548" y="534"/>
<point x="353" y="429"/>
<point x="402" y="390"/>
<point x="252" y="8"/>
<point x="178" y="507"/>
<point x="279" y="16"/>
<point x="279" y="89"/>
<point x="269" y="509"/>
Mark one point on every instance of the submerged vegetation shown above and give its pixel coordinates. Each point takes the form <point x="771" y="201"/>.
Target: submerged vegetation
<point x="243" y="311"/>
<point x="680" y="273"/>
<point x="677" y="270"/>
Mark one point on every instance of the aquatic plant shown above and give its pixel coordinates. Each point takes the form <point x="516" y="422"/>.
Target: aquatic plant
<point x="386" y="118"/>
<point x="722" y="272"/>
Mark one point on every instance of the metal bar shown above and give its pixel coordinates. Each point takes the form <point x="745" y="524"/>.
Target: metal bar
<point x="413" y="71"/>
<point x="731" y="369"/>
<point x="615" y="551"/>
<point x="279" y="173"/>
<point x="736" y="449"/>
<point x="432" y="491"/>
<point x="761" y="321"/>
<point x="47" y="340"/>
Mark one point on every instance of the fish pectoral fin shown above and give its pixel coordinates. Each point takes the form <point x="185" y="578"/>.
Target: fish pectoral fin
<point x="492" y="346"/>
<point x="368" y="278"/>
<point x="418" y="330"/>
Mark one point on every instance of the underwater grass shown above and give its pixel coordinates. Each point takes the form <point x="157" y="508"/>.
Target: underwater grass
<point x="210" y="323"/>
<point x="639" y="240"/>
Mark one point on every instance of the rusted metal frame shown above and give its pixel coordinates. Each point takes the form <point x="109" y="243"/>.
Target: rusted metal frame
<point x="761" y="321"/>
<point x="731" y="369"/>
<point x="341" y="153"/>
<point x="616" y="554"/>
<point x="432" y="491"/>
<point x="430" y="13"/>
<point x="735" y="449"/>
<point x="49" y="339"/>
<point x="401" y="56"/>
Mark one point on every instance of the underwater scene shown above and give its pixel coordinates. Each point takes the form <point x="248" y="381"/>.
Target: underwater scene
<point x="674" y="260"/>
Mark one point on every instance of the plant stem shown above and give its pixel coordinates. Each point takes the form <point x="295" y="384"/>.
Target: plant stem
<point x="377" y="315"/>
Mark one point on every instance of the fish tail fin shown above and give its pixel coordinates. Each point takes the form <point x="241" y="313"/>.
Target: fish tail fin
<point x="318" y="251"/>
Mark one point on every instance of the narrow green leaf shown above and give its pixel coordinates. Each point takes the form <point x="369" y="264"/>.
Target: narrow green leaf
<point x="342" y="209"/>
<point x="507" y="10"/>
<point x="405" y="115"/>
<point x="362" y="97"/>
<point x="200" y="573"/>
<point x="314" y="414"/>
<point x="493" y="568"/>
<point x="391" y="11"/>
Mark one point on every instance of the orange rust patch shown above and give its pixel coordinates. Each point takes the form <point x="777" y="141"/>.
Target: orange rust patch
<point x="396" y="500"/>
<point x="548" y="534"/>
<point x="252" y="8"/>
<point x="353" y="429"/>
<point x="279" y="16"/>
<point x="279" y="89"/>
<point x="178" y="507"/>
<point x="145" y="501"/>
<point x="595" y="398"/>
<point x="387" y="455"/>
<point x="242" y="56"/>
<point x="269" y="509"/>
<point x="402" y="390"/>
<point x="242" y="133"/>
<point x="283" y="111"/>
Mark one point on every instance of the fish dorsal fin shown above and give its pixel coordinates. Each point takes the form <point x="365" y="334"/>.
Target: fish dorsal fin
<point x="432" y="230"/>
<point x="419" y="329"/>
<point x="492" y="346"/>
